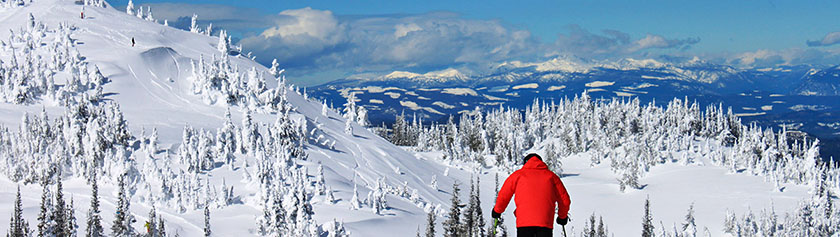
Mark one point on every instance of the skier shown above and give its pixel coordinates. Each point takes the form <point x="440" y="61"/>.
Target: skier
<point x="538" y="192"/>
<point x="83" y="12"/>
<point x="132" y="41"/>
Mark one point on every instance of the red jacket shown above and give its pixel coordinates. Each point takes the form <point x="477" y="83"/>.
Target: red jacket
<point x="538" y="191"/>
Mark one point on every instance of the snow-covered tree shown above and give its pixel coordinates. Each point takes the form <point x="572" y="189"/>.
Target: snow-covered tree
<point x="430" y="222"/>
<point x="94" y="221"/>
<point x="18" y="227"/>
<point x="193" y="24"/>
<point x="452" y="225"/>
<point x="122" y="217"/>
<point x="207" y="230"/>
<point x="224" y="45"/>
<point x="129" y="9"/>
<point x="647" y="221"/>
<point x="689" y="228"/>
<point x="355" y="204"/>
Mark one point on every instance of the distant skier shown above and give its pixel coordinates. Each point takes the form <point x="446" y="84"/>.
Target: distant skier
<point x="132" y="41"/>
<point x="538" y="192"/>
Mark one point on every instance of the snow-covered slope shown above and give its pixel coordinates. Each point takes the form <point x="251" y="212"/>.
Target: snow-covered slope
<point x="152" y="82"/>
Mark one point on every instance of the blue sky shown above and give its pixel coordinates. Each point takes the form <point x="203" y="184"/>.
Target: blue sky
<point x="346" y="37"/>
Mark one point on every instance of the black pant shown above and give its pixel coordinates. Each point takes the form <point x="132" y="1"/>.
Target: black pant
<point x="533" y="231"/>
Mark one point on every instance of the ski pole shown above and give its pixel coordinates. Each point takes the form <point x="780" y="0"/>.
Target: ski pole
<point x="564" y="230"/>
<point x="495" y="222"/>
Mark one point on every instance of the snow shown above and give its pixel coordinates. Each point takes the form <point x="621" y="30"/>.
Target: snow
<point x="554" y="88"/>
<point x="653" y="77"/>
<point x="393" y="95"/>
<point x="490" y="97"/>
<point x="600" y="83"/>
<point x="499" y="88"/>
<point x="640" y="86"/>
<point x="413" y="106"/>
<point x="443" y="105"/>
<point x="750" y="114"/>
<point x="527" y="86"/>
<point x="621" y="93"/>
<point x="561" y="64"/>
<point x="460" y="91"/>
<point x="671" y="188"/>
<point x="801" y="107"/>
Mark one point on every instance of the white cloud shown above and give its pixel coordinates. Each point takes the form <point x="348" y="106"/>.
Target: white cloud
<point x="307" y="22"/>
<point x="613" y="43"/>
<point x="401" y="30"/>
<point x="312" y="40"/>
<point x="829" y="39"/>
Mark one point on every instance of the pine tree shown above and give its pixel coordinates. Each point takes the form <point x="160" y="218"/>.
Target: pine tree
<point x="72" y="227"/>
<point x="18" y="227"/>
<point x="602" y="231"/>
<point x="46" y="225"/>
<point x="193" y="24"/>
<point x="207" y="231"/>
<point x="469" y="213"/>
<point x="223" y="45"/>
<point x="478" y="230"/>
<point x="501" y="229"/>
<point x="129" y="9"/>
<point x="94" y="221"/>
<point x="152" y="225"/>
<point x="430" y="223"/>
<point x="647" y="221"/>
<point x="122" y="217"/>
<point x="452" y="225"/>
<point x="161" y="227"/>
<point x="689" y="228"/>
<point x="348" y="127"/>
<point x="355" y="204"/>
<point x="59" y="215"/>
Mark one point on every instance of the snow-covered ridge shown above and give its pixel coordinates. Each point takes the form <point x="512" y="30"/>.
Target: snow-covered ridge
<point x="439" y="76"/>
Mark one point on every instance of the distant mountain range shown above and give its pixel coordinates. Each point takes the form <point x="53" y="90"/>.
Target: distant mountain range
<point x="803" y="97"/>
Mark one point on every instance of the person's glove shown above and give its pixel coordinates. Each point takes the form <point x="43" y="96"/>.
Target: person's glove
<point x="562" y="221"/>
<point x="494" y="214"/>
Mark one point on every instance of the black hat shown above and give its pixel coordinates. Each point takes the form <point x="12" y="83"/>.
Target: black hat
<point x="529" y="156"/>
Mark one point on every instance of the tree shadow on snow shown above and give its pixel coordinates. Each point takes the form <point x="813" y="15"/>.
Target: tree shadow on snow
<point x="568" y="175"/>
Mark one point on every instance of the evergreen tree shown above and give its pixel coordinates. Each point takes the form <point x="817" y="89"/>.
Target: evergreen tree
<point x="122" y="217"/>
<point x="355" y="204"/>
<point x="452" y="225"/>
<point x="689" y="228"/>
<point x="129" y="9"/>
<point x="46" y="225"/>
<point x="647" y="221"/>
<point x="152" y="225"/>
<point x="59" y="215"/>
<point x="602" y="230"/>
<point x="94" y="221"/>
<point x="478" y="230"/>
<point x="72" y="227"/>
<point x="18" y="227"/>
<point x="430" y="223"/>
<point x="207" y="219"/>
<point x="161" y="227"/>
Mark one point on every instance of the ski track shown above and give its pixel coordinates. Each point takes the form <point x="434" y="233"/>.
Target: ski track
<point x="157" y="97"/>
